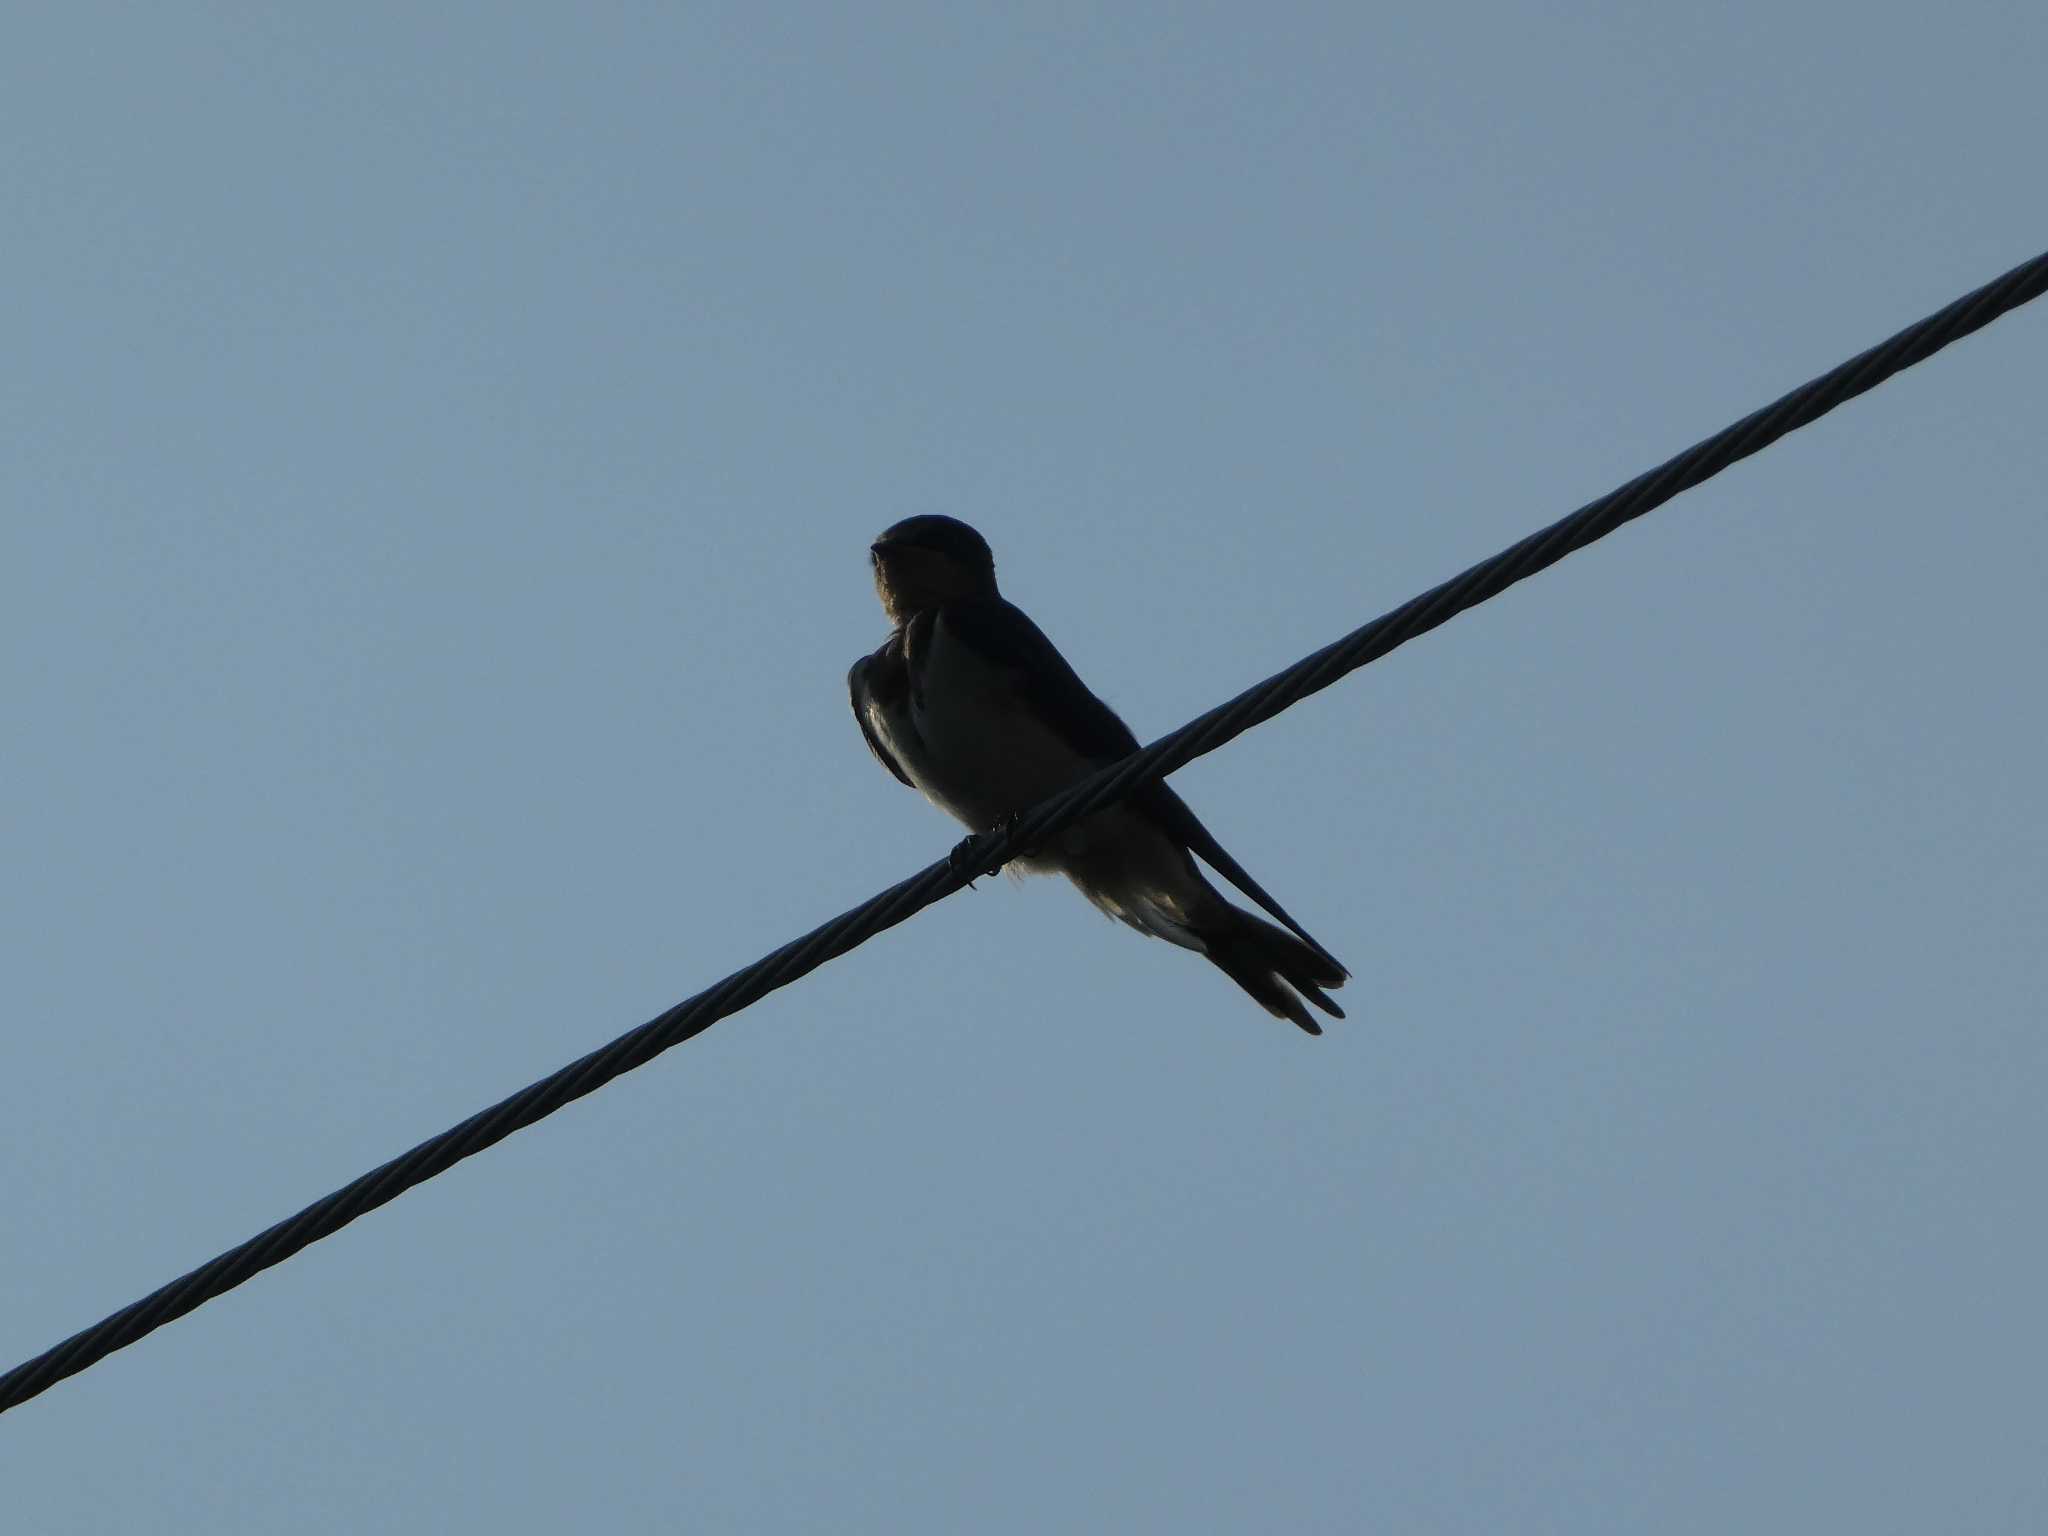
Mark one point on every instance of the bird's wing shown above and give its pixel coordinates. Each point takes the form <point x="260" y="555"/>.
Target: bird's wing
<point x="1005" y="634"/>
<point x="872" y="676"/>
<point x="1180" y="822"/>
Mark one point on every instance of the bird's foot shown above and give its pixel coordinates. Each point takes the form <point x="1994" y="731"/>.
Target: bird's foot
<point x="1003" y="827"/>
<point x="964" y="856"/>
<point x="961" y="859"/>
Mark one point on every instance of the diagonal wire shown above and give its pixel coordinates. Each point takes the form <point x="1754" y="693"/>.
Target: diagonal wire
<point x="800" y="956"/>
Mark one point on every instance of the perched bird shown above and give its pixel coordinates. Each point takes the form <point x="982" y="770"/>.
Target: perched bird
<point x="968" y="702"/>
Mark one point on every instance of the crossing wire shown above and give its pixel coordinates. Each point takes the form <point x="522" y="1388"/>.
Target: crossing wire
<point x="800" y="956"/>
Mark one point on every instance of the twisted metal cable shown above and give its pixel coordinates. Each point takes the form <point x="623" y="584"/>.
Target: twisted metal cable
<point x="801" y="956"/>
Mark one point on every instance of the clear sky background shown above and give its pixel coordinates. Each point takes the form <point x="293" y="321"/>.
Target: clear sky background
<point x="442" y="444"/>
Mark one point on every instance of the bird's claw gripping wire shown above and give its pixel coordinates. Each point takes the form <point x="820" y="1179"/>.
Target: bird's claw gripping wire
<point x="1003" y="828"/>
<point x="964" y="856"/>
<point x="961" y="859"/>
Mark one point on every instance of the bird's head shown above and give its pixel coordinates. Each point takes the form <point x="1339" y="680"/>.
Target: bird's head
<point x="929" y="561"/>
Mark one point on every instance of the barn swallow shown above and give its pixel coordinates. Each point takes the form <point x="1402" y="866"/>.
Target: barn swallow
<point x="969" y="703"/>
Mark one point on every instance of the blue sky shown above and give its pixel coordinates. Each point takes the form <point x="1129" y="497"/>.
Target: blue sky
<point x="443" y="445"/>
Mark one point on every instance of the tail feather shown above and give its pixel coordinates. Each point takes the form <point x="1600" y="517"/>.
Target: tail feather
<point x="1274" y="966"/>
